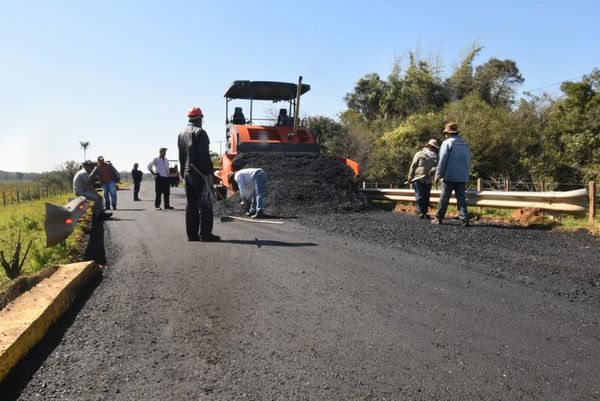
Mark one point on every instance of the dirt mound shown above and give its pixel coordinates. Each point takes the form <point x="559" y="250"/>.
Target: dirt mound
<point x="300" y="184"/>
<point x="530" y="217"/>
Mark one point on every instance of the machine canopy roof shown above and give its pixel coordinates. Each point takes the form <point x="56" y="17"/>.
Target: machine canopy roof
<point x="264" y="90"/>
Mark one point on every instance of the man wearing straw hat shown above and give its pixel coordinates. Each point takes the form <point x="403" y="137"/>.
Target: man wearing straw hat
<point x="453" y="169"/>
<point x="420" y="174"/>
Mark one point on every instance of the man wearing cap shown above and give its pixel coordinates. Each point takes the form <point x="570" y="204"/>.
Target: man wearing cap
<point x="82" y="186"/>
<point x="453" y="169"/>
<point x="161" y="178"/>
<point x="197" y="172"/>
<point x="420" y="174"/>
<point x="108" y="177"/>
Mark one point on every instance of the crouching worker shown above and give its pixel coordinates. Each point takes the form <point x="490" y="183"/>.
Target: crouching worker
<point x="82" y="186"/>
<point x="250" y="182"/>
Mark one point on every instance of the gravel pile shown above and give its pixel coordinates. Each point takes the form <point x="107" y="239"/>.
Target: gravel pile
<point x="299" y="184"/>
<point x="561" y="263"/>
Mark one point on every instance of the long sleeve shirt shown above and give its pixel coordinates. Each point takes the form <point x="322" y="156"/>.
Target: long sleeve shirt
<point x="193" y="144"/>
<point x="454" y="161"/>
<point x="161" y="166"/>
<point x="246" y="182"/>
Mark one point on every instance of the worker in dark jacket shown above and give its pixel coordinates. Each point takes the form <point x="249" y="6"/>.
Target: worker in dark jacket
<point x="137" y="176"/>
<point x="197" y="172"/>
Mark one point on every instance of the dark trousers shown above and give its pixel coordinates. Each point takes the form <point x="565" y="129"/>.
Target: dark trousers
<point x="161" y="186"/>
<point x="198" y="211"/>
<point x="136" y="190"/>
<point x="422" y="196"/>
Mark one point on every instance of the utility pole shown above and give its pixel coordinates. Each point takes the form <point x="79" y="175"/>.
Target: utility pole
<point x="221" y="147"/>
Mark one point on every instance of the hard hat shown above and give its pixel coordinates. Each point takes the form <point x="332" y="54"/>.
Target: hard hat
<point x="195" y="112"/>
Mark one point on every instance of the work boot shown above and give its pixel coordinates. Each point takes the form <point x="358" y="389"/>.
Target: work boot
<point x="210" y="238"/>
<point x="106" y="216"/>
<point x="169" y="207"/>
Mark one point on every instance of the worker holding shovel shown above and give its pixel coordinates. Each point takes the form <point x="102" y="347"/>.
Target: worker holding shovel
<point x="197" y="172"/>
<point x="420" y="175"/>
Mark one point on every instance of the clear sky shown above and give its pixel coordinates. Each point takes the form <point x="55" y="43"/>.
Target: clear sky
<point x="122" y="74"/>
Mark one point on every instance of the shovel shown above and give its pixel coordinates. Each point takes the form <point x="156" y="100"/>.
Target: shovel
<point x="231" y="218"/>
<point x="415" y="179"/>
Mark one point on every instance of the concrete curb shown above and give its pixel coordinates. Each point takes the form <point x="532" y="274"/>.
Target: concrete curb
<point x="24" y="322"/>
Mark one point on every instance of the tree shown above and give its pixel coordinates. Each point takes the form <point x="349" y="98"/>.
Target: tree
<point x="462" y="82"/>
<point x="394" y="150"/>
<point x="496" y="81"/>
<point x="69" y="169"/>
<point x="575" y="127"/>
<point x="366" y="97"/>
<point x="84" y="146"/>
<point x="327" y="131"/>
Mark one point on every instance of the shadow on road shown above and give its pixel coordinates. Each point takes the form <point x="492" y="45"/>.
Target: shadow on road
<point x="95" y="247"/>
<point x="12" y="386"/>
<point x="260" y="243"/>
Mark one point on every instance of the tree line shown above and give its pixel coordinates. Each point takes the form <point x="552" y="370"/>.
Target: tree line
<point x="554" y="139"/>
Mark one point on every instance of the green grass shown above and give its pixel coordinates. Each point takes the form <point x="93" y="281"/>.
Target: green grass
<point x="28" y="219"/>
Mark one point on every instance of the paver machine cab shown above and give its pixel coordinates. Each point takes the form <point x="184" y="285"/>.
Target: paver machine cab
<point x="286" y="133"/>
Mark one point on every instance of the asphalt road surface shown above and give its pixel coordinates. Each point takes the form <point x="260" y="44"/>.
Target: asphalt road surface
<point x="296" y="312"/>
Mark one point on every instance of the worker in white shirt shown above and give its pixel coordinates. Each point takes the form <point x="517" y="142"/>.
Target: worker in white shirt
<point x="161" y="178"/>
<point x="250" y="182"/>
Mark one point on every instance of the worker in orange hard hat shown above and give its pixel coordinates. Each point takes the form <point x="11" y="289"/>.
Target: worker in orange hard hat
<point x="197" y="172"/>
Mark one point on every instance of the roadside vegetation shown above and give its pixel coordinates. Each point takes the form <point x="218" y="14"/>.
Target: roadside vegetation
<point x="24" y="224"/>
<point x="536" y="138"/>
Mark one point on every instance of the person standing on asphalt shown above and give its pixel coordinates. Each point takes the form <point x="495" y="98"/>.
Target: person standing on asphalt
<point x="453" y="169"/>
<point x="136" y="176"/>
<point x="421" y="173"/>
<point x="251" y="184"/>
<point x="197" y="172"/>
<point x="108" y="177"/>
<point x="161" y="178"/>
<point x="82" y="186"/>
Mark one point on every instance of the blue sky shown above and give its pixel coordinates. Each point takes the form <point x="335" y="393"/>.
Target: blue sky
<point x="122" y="74"/>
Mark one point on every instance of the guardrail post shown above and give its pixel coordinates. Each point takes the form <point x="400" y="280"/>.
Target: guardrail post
<point x="543" y="186"/>
<point x="592" y="201"/>
<point x="506" y="185"/>
<point x="479" y="185"/>
<point x="364" y="185"/>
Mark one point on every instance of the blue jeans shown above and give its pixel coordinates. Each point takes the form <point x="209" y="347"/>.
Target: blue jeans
<point x="422" y="195"/>
<point x="258" y="200"/>
<point x="110" y="194"/>
<point x="461" y="200"/>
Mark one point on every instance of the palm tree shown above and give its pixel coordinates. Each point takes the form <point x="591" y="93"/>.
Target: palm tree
<point x="84" y="146"/>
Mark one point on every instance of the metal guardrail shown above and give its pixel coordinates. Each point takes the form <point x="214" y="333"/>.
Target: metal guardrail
<point x="61" y="220"/>
<point x="571" y="202"/>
